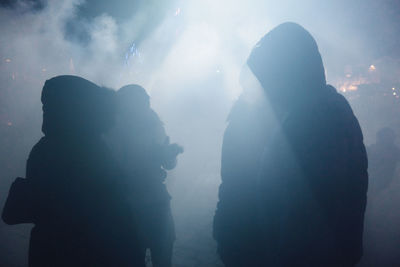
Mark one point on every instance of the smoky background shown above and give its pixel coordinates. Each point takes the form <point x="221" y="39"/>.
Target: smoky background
<point x="188" y="55"/>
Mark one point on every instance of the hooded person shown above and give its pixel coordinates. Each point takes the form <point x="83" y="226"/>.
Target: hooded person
<point x="380" y="237"/>
<point x="73" y="191"/>
<point x="313" y="173"/>
<point x="144" y="153"/>
<point x="383" y="157"/>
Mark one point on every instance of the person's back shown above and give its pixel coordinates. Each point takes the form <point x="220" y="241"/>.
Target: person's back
<point x="313" y="178"/>
<point x="76" y="203"/>
<point x="313" y="185"/>
<point x="142" y="148"/>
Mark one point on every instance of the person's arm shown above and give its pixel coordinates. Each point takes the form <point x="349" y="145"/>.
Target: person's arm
<point x="168" y="151"/>
<point x="17" y="208"/>
<point x="171" y="151"/>
<point x="21" y="204"/>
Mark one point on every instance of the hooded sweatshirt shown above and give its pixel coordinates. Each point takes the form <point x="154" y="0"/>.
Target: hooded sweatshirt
<point x="313" y="173"/>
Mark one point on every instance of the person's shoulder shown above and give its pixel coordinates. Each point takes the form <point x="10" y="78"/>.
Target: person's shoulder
<point x="39" y="147"/>
<point x="336" y="112"/>
<point x="36" y="157"/>
<point x="326" y="114"/>
<point x="242" y="108"/>
<point x="337" y="102"/>
<point x="157" y="127"/>
<point x="154" y="121"/>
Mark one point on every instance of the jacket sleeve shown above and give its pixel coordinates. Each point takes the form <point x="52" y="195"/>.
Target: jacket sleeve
<point x="17" y="207"/>
<point x="20" y="204"/>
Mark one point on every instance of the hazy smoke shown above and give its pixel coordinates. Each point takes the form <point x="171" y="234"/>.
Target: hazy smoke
<point x="187" y="54"/>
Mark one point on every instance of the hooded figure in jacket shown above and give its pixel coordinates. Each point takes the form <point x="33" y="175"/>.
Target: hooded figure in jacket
<point x="313" y="175"/>
<point x="73" y="191"/>
<point x="144" y="153"/>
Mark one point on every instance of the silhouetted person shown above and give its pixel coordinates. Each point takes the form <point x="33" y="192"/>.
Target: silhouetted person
<point x="236" y="228"/>
<point x="381" y="242"/>
<point x="140" y="144"/>
<point x="72" y="192"/>
<point x="313" y="176"/>
<point x="383" y="158"/>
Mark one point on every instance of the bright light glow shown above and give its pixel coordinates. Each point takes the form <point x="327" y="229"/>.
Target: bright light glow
<point x="372" y="68"/>
<point x="351" y="85"/>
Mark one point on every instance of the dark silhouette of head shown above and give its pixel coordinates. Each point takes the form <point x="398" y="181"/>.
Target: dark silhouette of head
<point x="132" y="98"/>
<point x="386" y="136"/>
<point x="288" y="64"/>
<point x="73" y="106"/>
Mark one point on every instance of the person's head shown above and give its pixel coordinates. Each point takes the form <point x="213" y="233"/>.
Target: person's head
<point x="386" y="136"/>
<point x="132" y="98"/>
<point x="73" y="106"/>
<point x="288" y="64"/>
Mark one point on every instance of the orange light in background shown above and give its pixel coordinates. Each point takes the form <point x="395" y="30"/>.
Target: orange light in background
<point x="372" y="68"/>
<point x="9" y="123"/>
<point x="351" y="85"/>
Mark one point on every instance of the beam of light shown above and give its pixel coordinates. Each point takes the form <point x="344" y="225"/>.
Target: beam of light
<point x="177" y="11"/>
<point x="71" y="66"/>
<point x="131" y="53"/>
